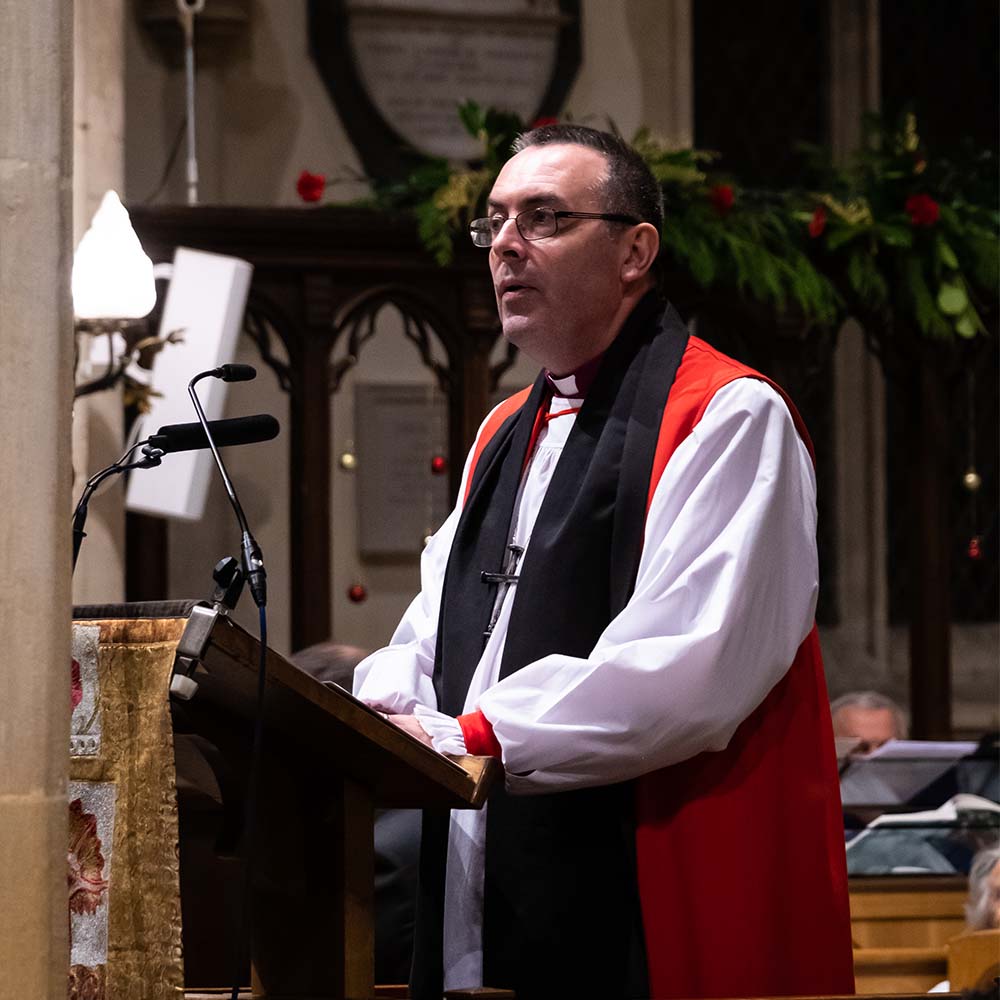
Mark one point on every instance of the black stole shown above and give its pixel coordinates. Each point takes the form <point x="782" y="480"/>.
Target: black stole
<point x="561" y="910"/>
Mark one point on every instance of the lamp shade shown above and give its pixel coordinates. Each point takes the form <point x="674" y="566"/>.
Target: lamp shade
<point x="112" y="277"/>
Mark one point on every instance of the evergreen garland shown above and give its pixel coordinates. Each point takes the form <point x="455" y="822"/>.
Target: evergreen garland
<point x="894" y="234"/>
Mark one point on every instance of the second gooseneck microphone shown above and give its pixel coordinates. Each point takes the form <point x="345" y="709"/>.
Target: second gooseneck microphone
<point x="253" y="559"/>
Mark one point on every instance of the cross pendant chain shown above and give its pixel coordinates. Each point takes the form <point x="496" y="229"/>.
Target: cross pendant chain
<point x="503" y="580"/>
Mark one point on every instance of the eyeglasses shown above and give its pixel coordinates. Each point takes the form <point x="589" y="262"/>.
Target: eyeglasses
<point x="535" y="223"/>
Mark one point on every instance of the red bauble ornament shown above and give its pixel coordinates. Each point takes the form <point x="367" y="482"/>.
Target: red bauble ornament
<point x="975" y="549"/>
<point x="357" y="593"/>
<point x="722" y="198"/>
<point x="310" y="186"/>
<point x="439" y="465"/>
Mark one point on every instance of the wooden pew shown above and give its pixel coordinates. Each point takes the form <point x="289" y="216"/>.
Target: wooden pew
<point x="974" y="960"/>
<point x="907" y="911"/>
<point x="901" y="926"/>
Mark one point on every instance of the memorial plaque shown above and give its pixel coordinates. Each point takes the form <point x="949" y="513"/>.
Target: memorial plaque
<point x="398" y="431"/>
<point x="398" y="69"/>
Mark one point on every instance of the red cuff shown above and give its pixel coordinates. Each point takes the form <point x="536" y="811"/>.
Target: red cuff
<point x="478" y="733"/>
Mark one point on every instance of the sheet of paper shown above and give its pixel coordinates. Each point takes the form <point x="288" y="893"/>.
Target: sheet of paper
<point x="917" y="842"/>
<point x="949" y="810"/>
<point x="923" y="750"/>
<point x="895" y="772"/>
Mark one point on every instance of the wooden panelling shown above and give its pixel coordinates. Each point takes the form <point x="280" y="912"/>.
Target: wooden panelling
<point x="974" y="960"/>
<point x="898" y="970"/>
<point x="907" y="912"/>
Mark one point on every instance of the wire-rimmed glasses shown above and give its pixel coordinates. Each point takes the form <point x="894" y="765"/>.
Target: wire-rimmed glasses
<point x="535" y="223"/>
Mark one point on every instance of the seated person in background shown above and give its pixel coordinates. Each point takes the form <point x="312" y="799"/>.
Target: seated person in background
<point x="982" y="910"/>
<point x="330" y="662"/>
<point x="869" y="716"/>
<point x="397" y="834"/>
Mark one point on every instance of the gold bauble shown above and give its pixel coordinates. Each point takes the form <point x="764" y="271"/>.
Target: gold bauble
<point x="972" y="480"/>
<point x="348" y="461"/>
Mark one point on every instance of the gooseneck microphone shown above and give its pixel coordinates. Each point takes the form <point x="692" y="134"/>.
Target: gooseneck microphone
<point x="253" y="571"/>
<point x="234" y="431"/>
<point x="172" y="438"/>
<point x="151" y="458"/>
<point x="253" y="559"/>
<point x="231" y="373"/>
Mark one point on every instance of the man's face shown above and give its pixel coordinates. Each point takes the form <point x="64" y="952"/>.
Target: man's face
<point x="560" y="298"/>
<point x="873" y="726"/>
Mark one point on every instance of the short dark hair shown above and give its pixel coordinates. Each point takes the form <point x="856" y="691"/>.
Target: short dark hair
<point x="630" y="186"/>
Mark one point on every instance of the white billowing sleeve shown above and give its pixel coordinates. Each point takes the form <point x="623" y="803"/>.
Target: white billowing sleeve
<point x="725" y="594"/>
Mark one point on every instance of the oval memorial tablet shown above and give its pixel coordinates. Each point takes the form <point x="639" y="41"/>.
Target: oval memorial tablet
<point x="398" y="69"/>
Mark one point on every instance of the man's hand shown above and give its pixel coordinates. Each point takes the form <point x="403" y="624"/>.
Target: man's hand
<point x="410" y="725"/>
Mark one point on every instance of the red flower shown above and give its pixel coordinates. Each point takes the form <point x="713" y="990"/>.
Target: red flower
<point x="818" y="222"/>
<point x="543" y="121"/>
<point x="922" y="209"/>
<point x="310" y="186"/>
<point x="721" y="196"/>
<point x="76" y="684"/>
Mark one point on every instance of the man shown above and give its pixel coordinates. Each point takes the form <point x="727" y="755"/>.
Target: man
<point x="868" y="716"/>
<point x="613" y="609"/>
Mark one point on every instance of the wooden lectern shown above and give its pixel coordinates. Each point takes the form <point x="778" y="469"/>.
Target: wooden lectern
<point x="327" y="762"/>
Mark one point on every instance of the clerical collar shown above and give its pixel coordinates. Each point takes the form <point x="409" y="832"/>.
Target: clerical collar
<point x="576" y="383"/>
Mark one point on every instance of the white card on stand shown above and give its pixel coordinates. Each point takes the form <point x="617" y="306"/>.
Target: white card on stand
<point x="205" y="301"/>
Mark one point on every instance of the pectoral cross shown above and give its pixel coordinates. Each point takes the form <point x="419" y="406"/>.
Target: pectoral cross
<point x="503" y="580"/>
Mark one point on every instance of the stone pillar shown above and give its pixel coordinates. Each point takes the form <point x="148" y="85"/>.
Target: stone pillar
<point x="858" y="648"/>
<point x="36" y="347"/>
<point x="98" y="164"/>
